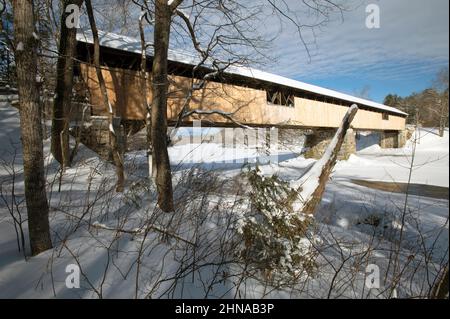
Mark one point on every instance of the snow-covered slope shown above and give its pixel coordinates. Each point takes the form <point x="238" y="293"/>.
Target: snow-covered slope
<point x="431" y="161"/>
<point x="355" y="215"/>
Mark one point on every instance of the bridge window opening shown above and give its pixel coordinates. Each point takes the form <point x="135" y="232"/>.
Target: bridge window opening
<point x="385" y="116"/>
<point x="280" y="98"/>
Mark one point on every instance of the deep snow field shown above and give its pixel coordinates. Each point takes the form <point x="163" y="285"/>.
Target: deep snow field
<point x="356" y="225"/>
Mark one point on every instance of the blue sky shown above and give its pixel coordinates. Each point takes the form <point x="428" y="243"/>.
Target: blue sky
<point x="402" y="56"/>
<point x="378" y="87"/>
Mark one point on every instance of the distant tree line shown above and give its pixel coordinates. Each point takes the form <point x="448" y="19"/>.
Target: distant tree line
<point x="428" y="108"/>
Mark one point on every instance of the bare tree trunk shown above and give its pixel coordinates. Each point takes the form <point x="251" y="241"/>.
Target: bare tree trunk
<point x="30" y="125"/>
<point x="63" y="90"/>
<point x="2" y="9"/>
<point x="160" y="156"/>
<point x="113" y="139"/>
<point x="442" y="119"/>
<point x="313" y="183"/>
<point x="440" y="291"/>
<point x="147" y="107"/>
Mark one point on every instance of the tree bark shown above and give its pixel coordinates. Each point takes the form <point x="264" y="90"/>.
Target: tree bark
<point x="161" y="162"/>
<point x="30" y="126"/>
<point x="63" y="90"/>
<point x="113" y="138"/>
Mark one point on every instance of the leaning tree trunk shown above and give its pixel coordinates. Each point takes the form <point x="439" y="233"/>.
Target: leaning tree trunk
<point x="160" y="156"/>
<point x="312" y="184"/>
<point x="63" y="90"/>
<point x="30" y="126"/>
<point x="113" y="138"/>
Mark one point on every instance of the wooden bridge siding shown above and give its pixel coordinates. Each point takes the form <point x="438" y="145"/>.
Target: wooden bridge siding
<point x="249" y="104"/>
<point x="321" y="114"/>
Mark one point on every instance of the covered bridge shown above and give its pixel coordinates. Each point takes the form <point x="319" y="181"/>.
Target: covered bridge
<point x="255" y="98"/>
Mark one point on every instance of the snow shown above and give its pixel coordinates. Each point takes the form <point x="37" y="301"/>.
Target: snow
<point x="389" y="165"/>
<point x="347" y="213"/>
<point x="142" y="15"/>
<point x="19" y="46"/>
<point x="183" y="13"/>
<point x="121" y="42"/>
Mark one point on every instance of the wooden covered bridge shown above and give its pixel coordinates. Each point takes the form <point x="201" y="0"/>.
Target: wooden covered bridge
<point x="255" y="98"/>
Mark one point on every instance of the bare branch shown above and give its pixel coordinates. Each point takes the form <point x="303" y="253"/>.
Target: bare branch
<point x="141" y="231"/>
<point x="173" y="4"/>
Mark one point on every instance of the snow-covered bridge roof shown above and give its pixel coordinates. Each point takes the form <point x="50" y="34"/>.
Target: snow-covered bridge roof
<point x="129" y="44"/>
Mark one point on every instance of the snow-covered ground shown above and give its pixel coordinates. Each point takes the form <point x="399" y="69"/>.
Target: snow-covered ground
<point x="356" y="225"/>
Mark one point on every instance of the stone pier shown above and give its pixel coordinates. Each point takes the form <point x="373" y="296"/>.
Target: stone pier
<point x="393" y="139"/>
<point x="349" y="146"/>
<point x="317" y="142"/>
<point x="291" y="138"/>
<point x="95" y="135"/>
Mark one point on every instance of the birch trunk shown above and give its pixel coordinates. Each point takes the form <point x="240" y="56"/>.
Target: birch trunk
<point x="147" y="107"/>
